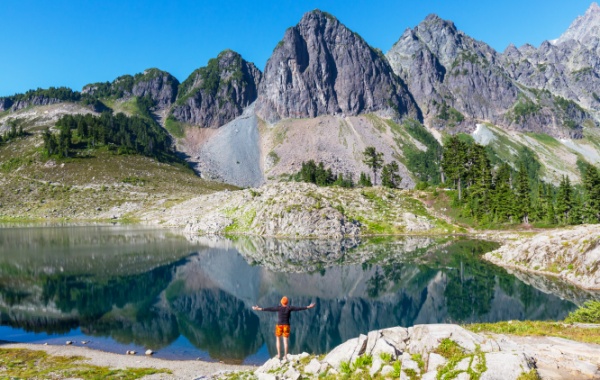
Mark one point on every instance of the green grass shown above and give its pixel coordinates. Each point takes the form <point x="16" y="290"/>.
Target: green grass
<point x="174" y="127"/>
<point x="544" y="139"/>
<point x="75" y="188"/>
<point x="539" y="328"/>
<point x="28" y="364"/>
<point x="531" y="375"/>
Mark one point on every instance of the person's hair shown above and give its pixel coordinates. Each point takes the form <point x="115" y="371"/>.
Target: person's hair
<point x="284" y="301"/>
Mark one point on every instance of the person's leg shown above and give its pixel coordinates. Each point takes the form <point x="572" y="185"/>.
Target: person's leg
<point x="285" y="346"/>
<point x="278" y="347"/>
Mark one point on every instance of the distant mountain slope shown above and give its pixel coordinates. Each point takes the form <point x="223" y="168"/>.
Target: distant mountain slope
<point x="459" y="81"/>
<point x="568" y="66"/>
<point x="323" y="68"/>
<point x="326" y="95"/>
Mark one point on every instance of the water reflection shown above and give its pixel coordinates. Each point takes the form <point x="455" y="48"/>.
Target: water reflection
<point x="151" y="288"/>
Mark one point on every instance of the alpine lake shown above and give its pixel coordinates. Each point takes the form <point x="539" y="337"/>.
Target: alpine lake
<point x="121" y="288"/>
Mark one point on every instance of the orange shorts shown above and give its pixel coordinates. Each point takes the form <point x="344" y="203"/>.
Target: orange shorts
<point x="282" y="330"/>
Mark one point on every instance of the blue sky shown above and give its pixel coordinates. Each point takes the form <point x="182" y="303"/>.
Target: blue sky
<point x="75" y="42"/>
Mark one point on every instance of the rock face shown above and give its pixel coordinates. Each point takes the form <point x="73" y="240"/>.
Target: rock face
<point x="457" y="80"/>
<point x="568" y="66"/>
<point x="32" y="101"/>
<point x="571" y="254"/>
<point x="160" y="86"/>
<point x="5" y="104"/>
<point x="432" y="351"/>
<point x="217" y="93"/>
<point x="323" y="68"/>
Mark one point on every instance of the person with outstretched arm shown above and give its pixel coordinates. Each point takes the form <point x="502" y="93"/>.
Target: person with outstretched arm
<point x="282" y="328"/>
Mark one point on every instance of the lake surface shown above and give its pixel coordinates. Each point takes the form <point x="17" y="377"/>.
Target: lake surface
<point x="123" y="288"/>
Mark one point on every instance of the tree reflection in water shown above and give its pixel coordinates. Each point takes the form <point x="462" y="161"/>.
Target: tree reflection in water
<point x="206" y="297"/>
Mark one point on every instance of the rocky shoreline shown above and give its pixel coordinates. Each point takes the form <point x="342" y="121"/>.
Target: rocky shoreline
<point x="443" y="351"/>
<point x="301" y="210"/>
<point x="427" y="352"/>
<point x="571" y="254"/>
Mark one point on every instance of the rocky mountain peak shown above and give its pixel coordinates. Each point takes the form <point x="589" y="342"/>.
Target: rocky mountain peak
<point x="323" y="68"/>
<point x="584" y="29"/>
<point x="217" y="93"/>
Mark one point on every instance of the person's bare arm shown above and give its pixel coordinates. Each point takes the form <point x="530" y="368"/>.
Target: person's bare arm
<point x="258" y="308"/>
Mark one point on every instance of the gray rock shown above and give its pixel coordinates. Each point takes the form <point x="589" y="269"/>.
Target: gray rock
<point x="435" y="361"/>
<point x="396" y="337"/>
<point x="425" y="338"/>
<point x="292" y="374"/>
<point x="386" y="370"/>
<point x="568" y="66"/>
<point x="346" y="352"/>
<point x="271" y="364"/>
<point x="408" y="364"/>
<point x="376" y="365"/>
<point x="448" y="71"/>
<point x="265" y="376"/>
<point x="574" y="252"/>
<point x="323" y="68"/>
<point x="218" y="93"/>
<point x="504" y="365"/>
<point x="313" y="367"/>
<point x="159" y="85"/>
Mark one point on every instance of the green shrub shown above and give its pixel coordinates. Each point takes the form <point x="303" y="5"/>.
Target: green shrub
<point x="385" y="357"/>
<point x="345" y="368"/>
<point x="588" y="313"/>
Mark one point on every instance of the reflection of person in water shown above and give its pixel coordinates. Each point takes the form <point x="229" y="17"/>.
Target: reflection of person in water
<point x="282" y="328"/>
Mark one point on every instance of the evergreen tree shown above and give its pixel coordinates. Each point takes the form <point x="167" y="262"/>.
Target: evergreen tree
<point x="364" y="180"/>
<point x="480" y="180"/>
<point x="503" y="195"/>
<point x="576" y="213"/>
<point x="64" y="142"/>
<point x="374" y="160"/>
<point x="523" y="196"/>
<point x="389" y="175"/>
<point x="454" y="159"/>
<point x="50" y="144"/>
<point x="564" y="200"/>
<point x="591" y="186"/>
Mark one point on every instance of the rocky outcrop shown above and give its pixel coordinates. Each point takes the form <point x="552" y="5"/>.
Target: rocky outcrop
<point x="33" y="101"/>
<point x="300" y="210"/>
<point x="457" y="81"/>
<point x="572" y="254"/>
<point x="217" y="93"/>
<point x="323" y="68"/>
<point x="443" y="351"/>
<point x="5" y="104"/>
<point x="568" y="66"/>
<point x="160" y="86"/>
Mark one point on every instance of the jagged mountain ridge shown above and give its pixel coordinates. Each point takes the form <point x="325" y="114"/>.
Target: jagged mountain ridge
<point x="459" y="81"/>
<point x="568" y="66"/>
<point x="323" y="68"/>
<point x="322" y="76"/>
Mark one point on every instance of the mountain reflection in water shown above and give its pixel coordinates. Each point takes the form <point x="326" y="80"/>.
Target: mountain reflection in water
<point x="151" y="288"/>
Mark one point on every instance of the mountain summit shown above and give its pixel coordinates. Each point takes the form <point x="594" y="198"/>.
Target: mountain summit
<point x="323" y="68"/>
<point x="585" y="29"/>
